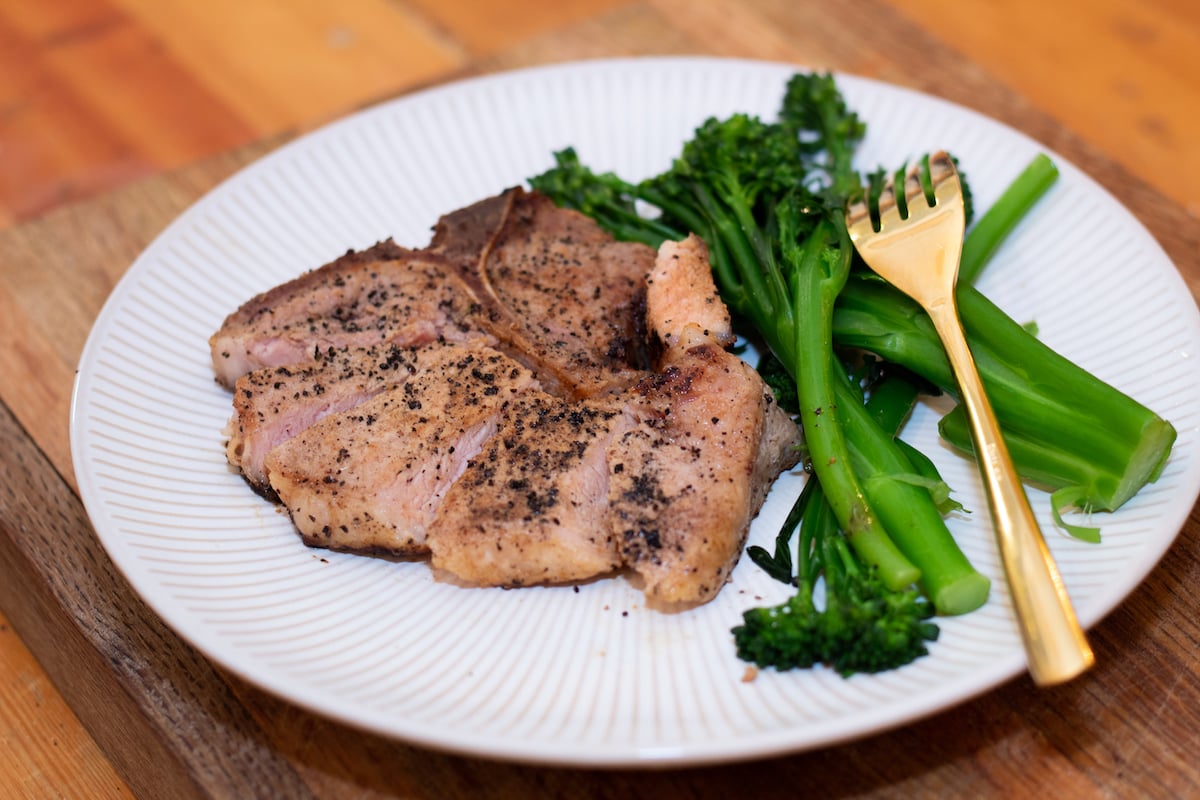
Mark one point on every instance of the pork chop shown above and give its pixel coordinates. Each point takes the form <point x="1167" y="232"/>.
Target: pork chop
<point x="383" y="295"/>
<point x="525" y="401"/>
<point x="372" y="478"/>
<point x="531" y="508"/>
<point x="557" y="290"/>
<point x="663" y="478"/>
<point x="686" y="482"/>
<point x="544" y="284"/>
<point x="273" y="404"/>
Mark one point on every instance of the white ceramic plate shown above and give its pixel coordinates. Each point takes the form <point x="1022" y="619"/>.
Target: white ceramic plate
<point x="580" y="675"/>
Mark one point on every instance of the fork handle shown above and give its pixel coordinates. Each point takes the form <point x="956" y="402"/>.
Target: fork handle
<point x="1054" y="641"/>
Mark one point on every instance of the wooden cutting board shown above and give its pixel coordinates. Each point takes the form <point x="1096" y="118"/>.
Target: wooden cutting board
<point x="176" y="726"/>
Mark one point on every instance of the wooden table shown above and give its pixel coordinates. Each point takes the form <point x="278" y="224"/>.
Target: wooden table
<point x="115" y="704"/>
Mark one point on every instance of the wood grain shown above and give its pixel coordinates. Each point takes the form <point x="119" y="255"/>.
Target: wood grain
<point x="67" y="761"/>
<point x="249" y="54"/>
<point x="1079" y="68"/>
<point x="101" y="92"/>
<point x="110" y="99"/>
<point x="482" y="27"/>
<point x="163" y="704"/>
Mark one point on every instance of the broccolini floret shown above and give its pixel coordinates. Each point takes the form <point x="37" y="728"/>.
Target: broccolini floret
<point x="863" y="626"/>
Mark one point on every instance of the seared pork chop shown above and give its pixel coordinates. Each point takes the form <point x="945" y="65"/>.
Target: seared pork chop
<point x="531" y="507"/>
<point x="687" y="481"/>
<point x="681" y="292"/>
<point x="384" y="295"/>
<point x="372" y="478"/>
<point x="273" y="404"/>
<point x="490" y="401"/>
<point x="547" y="286"/>
<point x="560" y="291"/>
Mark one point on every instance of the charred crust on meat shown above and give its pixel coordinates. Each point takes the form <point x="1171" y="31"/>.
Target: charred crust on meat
<point x="263" y="490"/>
<point x="639" y="536"/>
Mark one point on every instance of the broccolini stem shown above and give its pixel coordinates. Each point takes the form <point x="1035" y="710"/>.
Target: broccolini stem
<point x="692" y="222"/>
<point x="739" y="206"/>
<point x="779" y="564"/>
<point x="816" y="524"/>
<point x="1105" y="449"/>
<point x="818" y="269"/>
<point x="1110" y="431"/>
<point x="818" y="529"/>
<point x="909" y="512"/>
<point x="630" y="227"/>
<point x="990" y="231"/>
<point x="750" y="271"/>
<point x="892" y="400"/>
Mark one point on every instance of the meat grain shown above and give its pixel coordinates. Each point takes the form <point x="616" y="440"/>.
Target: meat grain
<point x="524" y="401"/>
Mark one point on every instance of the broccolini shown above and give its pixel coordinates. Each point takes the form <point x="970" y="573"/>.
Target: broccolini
<point x="767" y="197"/>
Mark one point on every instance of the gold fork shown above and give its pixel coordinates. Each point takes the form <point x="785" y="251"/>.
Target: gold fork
<point x="918" y="253"/>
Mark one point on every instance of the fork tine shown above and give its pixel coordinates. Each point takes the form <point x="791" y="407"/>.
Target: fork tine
<point x="944" y="176"/>
<point x="913" y="202"/>
<point x="914" y="192"/>
<point x="889" y="209"/>
<point x="858" y="217"/>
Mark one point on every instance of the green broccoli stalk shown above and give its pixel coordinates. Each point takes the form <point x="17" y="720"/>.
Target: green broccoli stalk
<point x="905" y="486"/>
<point x="893" y="394"/>
<point x="865" y="626"/>
<point x="906" y="494"/>
<point x="818" y="265"/>
<point x="1001" y="218"/>
<point x="1096" y="454"/>
<point x="778" y="564"/>
<point x="947" y="577"/>
<point x="866" y="475"/>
